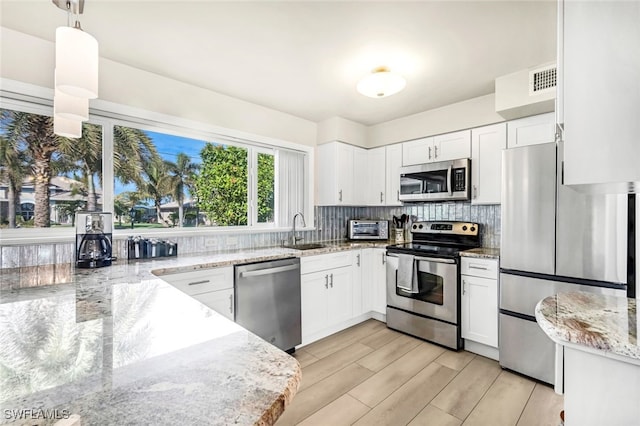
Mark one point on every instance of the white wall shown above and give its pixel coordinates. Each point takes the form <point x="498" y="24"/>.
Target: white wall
<point x="31" y="60"/>
<point x="343" y="130"/>
<point x="474" y="112"/>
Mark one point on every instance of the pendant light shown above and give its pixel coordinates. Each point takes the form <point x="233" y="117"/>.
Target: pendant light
<point x="75" y="75"/>
<point x="381" y="83"/>
<point x="69" y="107"/>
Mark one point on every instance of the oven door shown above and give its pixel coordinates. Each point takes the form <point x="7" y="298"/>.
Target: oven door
<point x="437" y="295"/>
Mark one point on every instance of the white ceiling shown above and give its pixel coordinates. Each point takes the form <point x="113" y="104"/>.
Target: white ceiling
<point x="304" y="57"/>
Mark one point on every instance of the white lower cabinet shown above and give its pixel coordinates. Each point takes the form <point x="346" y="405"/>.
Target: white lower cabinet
<point x="379" y="280"/>
<point x="213" y="287"/>
<point x="480" y="305"/>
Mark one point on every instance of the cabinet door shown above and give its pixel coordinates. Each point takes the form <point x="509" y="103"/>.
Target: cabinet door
<point x="393" y="164"/>
<point x="220" y="301"/>
<point x="367" y="282"/>
<point x="314" y="291"/>
<point x="452" y="146"/>
<point x="357" y="283"/>
<point x="601" y="94"/>
<point x="487" y="144"/>
<point x="326" y="174"/>
<point x="532" y="130"/>
<point x="340" y="297"/>
<point x="379" y="280"/>
<point x="360" y="183"/>
<point x="419" y="151"/>
<point x="344" y="174"/>
<point x="375" y="168"/>
<point x="480" y="310"/>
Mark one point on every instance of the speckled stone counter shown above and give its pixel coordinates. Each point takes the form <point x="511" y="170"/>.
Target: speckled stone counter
<point x="118" y="345"/>
<point x="592" y="322"/>
<point x="482" y="253"/>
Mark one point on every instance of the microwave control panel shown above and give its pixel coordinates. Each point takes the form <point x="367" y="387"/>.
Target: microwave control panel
<point x="459" y="180"/>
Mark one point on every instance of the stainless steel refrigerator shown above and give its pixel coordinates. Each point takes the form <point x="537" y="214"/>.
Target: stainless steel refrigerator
<point x="553" y="239"/>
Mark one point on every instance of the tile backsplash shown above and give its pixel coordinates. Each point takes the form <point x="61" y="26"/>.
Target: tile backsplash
<point x="330" y="223"/>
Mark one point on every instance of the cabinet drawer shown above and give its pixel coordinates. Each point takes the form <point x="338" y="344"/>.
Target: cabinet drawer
<point x="484" y="268"/>
<point x="324" y="261"/>
<point x="202" y="281"/>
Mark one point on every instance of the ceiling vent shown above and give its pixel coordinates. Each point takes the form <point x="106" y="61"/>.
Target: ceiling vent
<point x="542" y="80"/>
<point x="527" y="92"/>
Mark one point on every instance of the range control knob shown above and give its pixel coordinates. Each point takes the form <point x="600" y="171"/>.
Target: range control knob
<point x="473" y="229"/>
<point x="464" y="227"/>
<point x="420" y="226"/>
<point x="415" y="226"/>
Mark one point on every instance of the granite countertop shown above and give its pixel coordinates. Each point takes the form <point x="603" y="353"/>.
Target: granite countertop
<point x="118" y="345"/>
<point x="482" y="252"/>
<point x="607" y="325"/>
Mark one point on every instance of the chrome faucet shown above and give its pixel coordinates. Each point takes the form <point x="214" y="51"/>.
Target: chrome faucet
<point x="294" y="239"/>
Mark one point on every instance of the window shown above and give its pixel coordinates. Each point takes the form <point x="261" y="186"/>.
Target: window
<point x="45" y="178"/>
<point x="159" y="175"/>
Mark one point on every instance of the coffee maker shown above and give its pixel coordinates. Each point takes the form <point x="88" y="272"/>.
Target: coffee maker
<point x="93" y="239"/>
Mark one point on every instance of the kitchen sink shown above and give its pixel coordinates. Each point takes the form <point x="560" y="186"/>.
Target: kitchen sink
<point x="308" y="246"/>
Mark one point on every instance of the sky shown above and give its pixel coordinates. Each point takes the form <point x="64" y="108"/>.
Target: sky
<point x="168" y="147"/>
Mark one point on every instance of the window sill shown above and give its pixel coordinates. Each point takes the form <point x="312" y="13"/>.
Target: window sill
<point x="35" y="236"/>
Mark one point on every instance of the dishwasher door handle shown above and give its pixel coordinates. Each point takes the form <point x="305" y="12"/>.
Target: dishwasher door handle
<point x="269" y="271"/>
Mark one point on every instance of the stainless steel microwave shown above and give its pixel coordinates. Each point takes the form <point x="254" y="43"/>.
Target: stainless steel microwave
<point x="442" y="181"/>
<point x="368" y="230"/>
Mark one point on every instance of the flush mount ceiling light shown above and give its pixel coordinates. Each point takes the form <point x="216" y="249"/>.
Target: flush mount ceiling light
<point x="381" y="83"/>
<point x="76" y="71"/>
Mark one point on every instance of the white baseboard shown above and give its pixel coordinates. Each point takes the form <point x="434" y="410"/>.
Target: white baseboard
<point x="481" y="349"/>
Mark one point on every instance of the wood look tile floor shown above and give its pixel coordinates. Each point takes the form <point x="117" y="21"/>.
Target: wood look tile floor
<point x="371" y="375"/>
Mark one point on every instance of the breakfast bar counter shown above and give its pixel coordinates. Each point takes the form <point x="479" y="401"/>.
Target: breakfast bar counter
<point x="597" y="356"/>
<point x="120" y="346"/>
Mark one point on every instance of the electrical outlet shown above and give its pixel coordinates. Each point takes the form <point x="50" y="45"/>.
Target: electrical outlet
<point x="232" y="241"/>
<point x="210" y="242"/>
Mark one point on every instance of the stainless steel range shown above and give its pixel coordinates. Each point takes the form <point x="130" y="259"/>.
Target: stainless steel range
<point x="423" y="281"/>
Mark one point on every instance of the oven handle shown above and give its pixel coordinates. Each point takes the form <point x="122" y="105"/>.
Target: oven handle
<point x="449" y="173"/>
<point x="427" y="259"/>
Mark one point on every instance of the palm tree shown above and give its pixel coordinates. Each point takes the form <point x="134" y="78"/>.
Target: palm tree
<point x="157" y="186"/>
<point x="182" y="173"/>
<point x="12" y="170"/>
<point x="133" y="152"/>
<point x="35" y="133"/>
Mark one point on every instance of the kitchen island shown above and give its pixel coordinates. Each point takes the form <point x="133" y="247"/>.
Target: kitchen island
<point x="119" y="345"/>
<point x="597" y="336"/>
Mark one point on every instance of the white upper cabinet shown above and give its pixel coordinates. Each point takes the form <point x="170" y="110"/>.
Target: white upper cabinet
<point x="599" y="93"/>
<point x="393" y="164"/>
<point x="375" y="180"/>
<point x="360" y="183"/>
<point x="335" y="174"/>
<point x="532" y="130"/>
<point x="450" y="146"/>
<point x="419" y="151"/>
<point x="487" y="144"/>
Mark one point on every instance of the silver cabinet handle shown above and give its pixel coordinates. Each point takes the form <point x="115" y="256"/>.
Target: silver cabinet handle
<point x="340" y="195"/>
<point x="464" y="290"/>
<point x="358" y="260"/>
<point x="435" y="150"/>
<point x="398" y="195"/>
<point x="231" y="303"/>
<point x="384" y="259"/>
<point x="331" y="281"/>
<point x="326" y="281"/>
<point x="475" y="192"/>
<point x="381" y="195"/>
<point x="429" y="153"/>
<point x="268" y="271"/>
<point x="483" y="268"/>
<point x="199" y="282"/>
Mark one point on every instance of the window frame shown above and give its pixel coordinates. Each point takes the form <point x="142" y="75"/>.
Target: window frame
<point x="39" y="100"/>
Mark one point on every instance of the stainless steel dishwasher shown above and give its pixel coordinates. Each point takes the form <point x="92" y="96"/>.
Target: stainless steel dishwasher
<point x="268" y="301"/>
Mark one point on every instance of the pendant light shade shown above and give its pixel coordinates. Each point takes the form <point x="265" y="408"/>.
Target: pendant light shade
<point x="381" y="83"/>
<point x="70" y="107"/>
<point x="76" y="62"/>
<point x="67" y="128"/>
